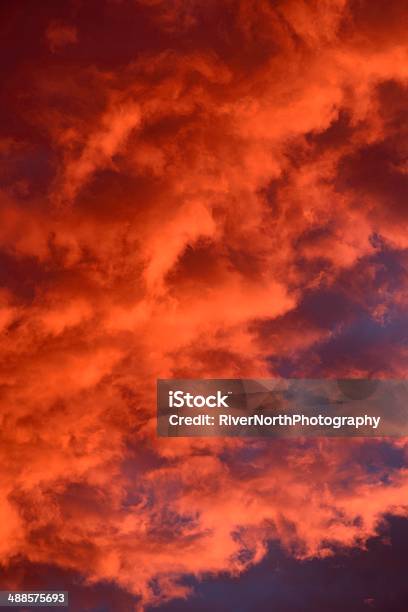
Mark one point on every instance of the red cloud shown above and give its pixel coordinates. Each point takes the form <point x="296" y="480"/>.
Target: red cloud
<point x="60" y="34"/>
<point x="169" y="207"/>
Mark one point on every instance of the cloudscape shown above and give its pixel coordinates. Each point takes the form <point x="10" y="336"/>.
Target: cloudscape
<point x="199" y="189"/>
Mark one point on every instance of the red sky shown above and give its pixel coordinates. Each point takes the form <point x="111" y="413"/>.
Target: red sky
<point x="193" y="188"/>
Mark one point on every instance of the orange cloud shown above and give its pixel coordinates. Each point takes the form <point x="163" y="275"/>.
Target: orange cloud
<point x="220" y="197"/>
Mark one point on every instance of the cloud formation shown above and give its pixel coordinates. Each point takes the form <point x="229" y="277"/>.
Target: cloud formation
<point x="205" y="189"/>
<point x="60" y="34"/>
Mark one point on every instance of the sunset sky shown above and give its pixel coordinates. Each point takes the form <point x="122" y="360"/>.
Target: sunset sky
<point x="199" y="189"/>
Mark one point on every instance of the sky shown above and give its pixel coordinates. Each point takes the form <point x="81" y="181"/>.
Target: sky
<point x="197" y="189"/>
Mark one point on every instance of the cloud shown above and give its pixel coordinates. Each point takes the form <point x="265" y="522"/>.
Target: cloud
<point x="60" y="34"/>
<point x="98" y="147"/>
<point x="223" y="197"/>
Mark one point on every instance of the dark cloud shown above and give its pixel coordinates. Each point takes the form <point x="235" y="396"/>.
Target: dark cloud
<point x="361" y="580"/>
